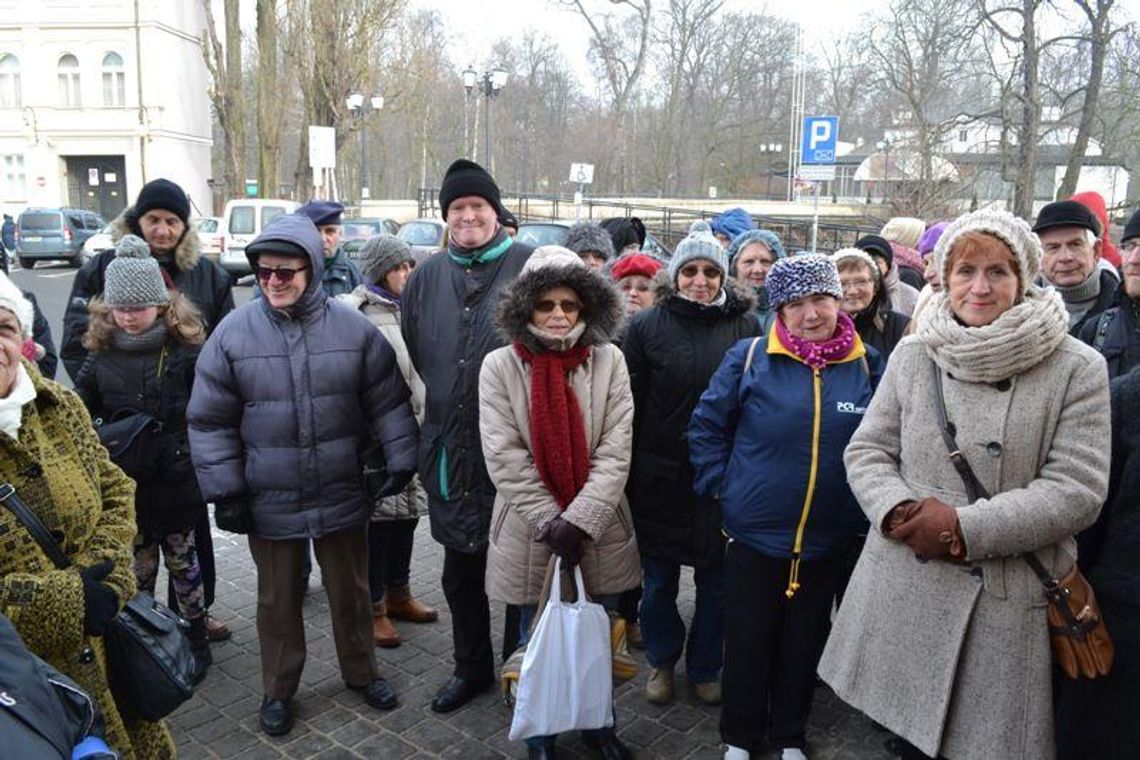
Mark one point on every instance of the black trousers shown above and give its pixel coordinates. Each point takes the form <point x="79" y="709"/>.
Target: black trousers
<point x="463" y="585"/>
<point x="390" y="545"/>
<point x="772" y="645"/>
<point x="204" y="547"/>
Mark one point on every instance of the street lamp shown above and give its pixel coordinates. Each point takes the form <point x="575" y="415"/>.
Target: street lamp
<point x="771" y="149"/>
<point x="489" y="83"/>
<point x="884" y="147"/>
<point x="360" y="108"/>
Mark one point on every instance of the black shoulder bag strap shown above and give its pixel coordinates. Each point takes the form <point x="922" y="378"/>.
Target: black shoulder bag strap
<point x="974" y="488"/>
<point x="30" y="520"/>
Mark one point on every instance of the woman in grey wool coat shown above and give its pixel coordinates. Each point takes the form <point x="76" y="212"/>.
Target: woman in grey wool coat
<point x="942" y="635"/>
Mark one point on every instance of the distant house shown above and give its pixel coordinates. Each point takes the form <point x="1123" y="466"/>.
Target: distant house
<point x="97" y="98"/>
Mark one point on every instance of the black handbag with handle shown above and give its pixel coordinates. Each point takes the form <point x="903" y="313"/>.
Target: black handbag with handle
<point x="149" y="661"/>
<point x="131" y="439"/>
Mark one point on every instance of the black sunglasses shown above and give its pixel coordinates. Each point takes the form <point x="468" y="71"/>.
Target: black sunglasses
<point x="284" y="274"/>
<point x="568" y="307"/>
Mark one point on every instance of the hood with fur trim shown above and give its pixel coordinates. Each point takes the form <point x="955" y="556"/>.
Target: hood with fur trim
<point x="741" y="299"/>
<point x="186" y="253"/>
<point x="602" y="306"/>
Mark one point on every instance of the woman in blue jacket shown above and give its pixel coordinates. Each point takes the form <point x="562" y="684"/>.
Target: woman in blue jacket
<point x="767" y="440"/>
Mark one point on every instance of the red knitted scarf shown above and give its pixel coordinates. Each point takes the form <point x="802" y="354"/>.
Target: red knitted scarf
<point x="557" y="433"/>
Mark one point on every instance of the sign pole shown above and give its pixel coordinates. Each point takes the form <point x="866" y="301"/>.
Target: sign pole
<point x="815" y="218"/>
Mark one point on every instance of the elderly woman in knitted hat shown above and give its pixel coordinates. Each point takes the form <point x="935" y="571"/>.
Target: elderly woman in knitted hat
<point x="951" y="652"/>
<point x="143" y="342"/>
<point x="865" y="301"/>
<point x="385" y="261"/>
<point x="766" y="441"/>
<point x="556" y="417"/>
<point x="751" y="256"/>
<point x="672" y="349"/>
<point x="51" y="456"/>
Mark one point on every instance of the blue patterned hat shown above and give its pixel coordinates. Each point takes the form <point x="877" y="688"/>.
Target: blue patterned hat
<point x="797" y="277"/>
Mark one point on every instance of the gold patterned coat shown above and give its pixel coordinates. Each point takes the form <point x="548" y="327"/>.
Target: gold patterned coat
<point x="60" y="470"/>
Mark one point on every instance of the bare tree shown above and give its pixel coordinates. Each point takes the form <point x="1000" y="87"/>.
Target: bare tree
<point x="269" y="101"/>
<point x="224" y="65"/>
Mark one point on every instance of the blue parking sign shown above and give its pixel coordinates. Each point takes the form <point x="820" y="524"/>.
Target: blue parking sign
<point x="820" y="136"/>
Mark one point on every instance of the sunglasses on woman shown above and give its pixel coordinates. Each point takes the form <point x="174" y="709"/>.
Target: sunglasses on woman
<point x="710" y="273"/>
<point x="568" y="307"/>
<point x="284" y="274"/>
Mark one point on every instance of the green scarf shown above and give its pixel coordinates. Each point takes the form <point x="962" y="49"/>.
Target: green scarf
<point x="469" y="257"/>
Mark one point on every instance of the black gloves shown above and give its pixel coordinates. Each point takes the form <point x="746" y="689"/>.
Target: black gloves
<point x="233" y="515"/>
<point x="100" y="604"/>
<point x="564" y="539"/>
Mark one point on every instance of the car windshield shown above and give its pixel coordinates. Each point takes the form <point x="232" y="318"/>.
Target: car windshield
<point x="420" y="233"/>
<point x="542" y="234"/>
<point x="207" y="225"/>
<point x="41" y="221"/>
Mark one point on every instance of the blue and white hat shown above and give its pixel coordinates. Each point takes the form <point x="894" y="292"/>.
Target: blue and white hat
<point x="797" y="277"/>
<point x="699" y="244"/>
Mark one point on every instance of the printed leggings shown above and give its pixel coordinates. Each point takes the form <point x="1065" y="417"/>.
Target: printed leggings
<point x="181" y="558"/>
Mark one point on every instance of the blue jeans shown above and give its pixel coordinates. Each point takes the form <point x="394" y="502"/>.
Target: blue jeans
<point x="526" y="616"/>
<point x="663" y="630"/>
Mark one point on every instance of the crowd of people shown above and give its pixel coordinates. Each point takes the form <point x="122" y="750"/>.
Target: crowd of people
<point x="775" y="423"/>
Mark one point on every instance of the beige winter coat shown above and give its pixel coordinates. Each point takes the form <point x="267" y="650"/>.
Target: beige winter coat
<point x="953" y="658"/>
<point x="385" y="314"/>
<point x="516" y="562"/>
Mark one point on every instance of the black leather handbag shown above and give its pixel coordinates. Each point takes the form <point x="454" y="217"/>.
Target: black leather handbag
<point x="132" y="439"/>
<point x="149" y="660"/>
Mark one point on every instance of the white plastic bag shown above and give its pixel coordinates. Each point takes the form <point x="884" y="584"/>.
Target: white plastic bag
<point x="565" y="682"/>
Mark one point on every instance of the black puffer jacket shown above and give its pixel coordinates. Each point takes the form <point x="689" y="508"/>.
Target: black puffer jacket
<point x="115" y="381"/>
<point x="1115" y="332"/>
<point x="672" y="350"/>
<point x="449" y="327"/>
<point x="285" y="402"/>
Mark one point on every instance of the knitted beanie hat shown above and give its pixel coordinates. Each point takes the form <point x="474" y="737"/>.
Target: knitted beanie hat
<point x="1131" y="227"/>
<point x="465" y="178"/>
<point x="857" y="254"/>
<point x="624" y="232"/>
<point x="1012" y="230"/>
<point x="876" y="245"/>
<point x="587" y="237"/>
<point x="766" y="237"/>
<point x="904" y="230"/>
<point x="930" y="238"/>
<point x="800" y="276"/>
<point x="699" y="244"/>
<point x="13" y="300"/>
<point x="379" y="255"/>
<point x="166" y="195"/>
<point x="133" y="278"/>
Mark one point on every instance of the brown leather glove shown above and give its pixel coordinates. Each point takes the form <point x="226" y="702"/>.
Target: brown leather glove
<point x="932" y="531"/>
<point x="564" y="539"/>
<point x="899" y="514"/>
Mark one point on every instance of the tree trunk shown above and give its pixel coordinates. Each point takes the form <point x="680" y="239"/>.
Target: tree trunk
<point x="234" y="103"/>
<point x="1027" y="130"/>
<point x="268" y="99"/>
<point x="1099" y="36"/>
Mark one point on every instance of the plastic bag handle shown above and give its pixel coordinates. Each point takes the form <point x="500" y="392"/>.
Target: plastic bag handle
<point x="556" y="582"/>
<point x="578" y="579"/>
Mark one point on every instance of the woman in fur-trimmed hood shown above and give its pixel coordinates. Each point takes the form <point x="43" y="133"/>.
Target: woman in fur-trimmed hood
<point x="556" y="419"/>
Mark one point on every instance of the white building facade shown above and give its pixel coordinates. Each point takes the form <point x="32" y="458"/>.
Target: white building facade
<point x="98" y="97"/>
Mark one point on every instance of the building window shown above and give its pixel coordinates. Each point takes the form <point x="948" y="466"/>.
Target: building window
<point x="114" y="82"/>
<point x="68" y="81"/>
<point x="9" y="81"/>
<point x="15" y="183"/>
<point x="962" y="135"/>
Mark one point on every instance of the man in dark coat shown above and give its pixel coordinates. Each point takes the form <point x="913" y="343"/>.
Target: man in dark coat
<point x="1115" y="332"/>
<point x="341" y="275"/>
<point x="8" y="236"/>
<point x="1069" y="235"/>
<point x="448" y="306"/>
<point x="290" y="389"/>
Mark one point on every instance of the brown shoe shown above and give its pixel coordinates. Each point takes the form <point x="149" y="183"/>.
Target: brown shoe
<point x="403" y="606"/>
<point x="383" y="632"/>
<point x="216" y="630"/>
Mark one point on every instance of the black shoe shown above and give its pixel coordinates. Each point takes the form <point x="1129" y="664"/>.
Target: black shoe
<point x="542" y="752"/>
<point x="378" y="693"/>
<point x="276" y="716"/>
<point x="608" y="746"/>
<point x="455" y="693"/>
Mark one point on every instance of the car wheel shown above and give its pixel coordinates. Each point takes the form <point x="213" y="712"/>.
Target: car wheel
<point x="26" y="263"/>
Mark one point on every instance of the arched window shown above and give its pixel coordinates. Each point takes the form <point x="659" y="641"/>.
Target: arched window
<point x="68" y="68"/>
<point x="114" y="81"/>
<point x="9" y="81"/>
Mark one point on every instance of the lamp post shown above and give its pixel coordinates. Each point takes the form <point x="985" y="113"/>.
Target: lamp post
<point x="489" y="83"/>
<point x="884" y="147"/>
<point x="770" y="149"/>
<point x="360" y="107"/>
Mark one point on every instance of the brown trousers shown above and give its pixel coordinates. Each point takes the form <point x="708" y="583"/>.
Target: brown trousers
<point x="343" y="558"/>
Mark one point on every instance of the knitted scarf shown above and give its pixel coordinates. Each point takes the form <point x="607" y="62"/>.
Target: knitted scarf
<point x="557" y="433"/>
<point x="816" y="354"/>
<point x="1019" y="339"/>
<point x="150" y="339"/>
<point x="385" y="294"/>
<point x="469" y="257"/>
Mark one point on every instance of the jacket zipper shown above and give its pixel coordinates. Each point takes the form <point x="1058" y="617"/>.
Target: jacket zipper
<point x="797" y="548"/>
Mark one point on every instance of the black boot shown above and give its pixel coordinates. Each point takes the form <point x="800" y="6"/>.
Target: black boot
<point x="200" y="647"/>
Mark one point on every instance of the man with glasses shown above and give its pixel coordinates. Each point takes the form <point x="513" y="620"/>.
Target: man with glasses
<point x="1069" y="234"/>
<point x="288" y="391"/>
<point x="1116" y="331"/>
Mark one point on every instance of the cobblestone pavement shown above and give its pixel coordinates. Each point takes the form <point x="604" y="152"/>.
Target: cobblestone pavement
<point x="221" y="720"/>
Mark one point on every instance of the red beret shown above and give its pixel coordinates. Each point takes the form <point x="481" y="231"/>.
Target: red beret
<point x="636" y="263"/>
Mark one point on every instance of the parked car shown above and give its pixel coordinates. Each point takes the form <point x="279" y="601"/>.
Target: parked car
<point x="97" y="243"/>
<point x="243" y="220"/>
<point x="54" y="234"/>
<point x="210" y="233"/>
<point x="553" y="232"/>
<point x="355" y="231"/>
<point x="425" y="236"/>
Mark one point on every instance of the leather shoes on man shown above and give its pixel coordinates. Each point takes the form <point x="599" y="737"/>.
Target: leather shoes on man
<point x="275" y="716"/>
<point x="378" y="693"/>
<point x="608" y="746"/>
<point x="455" y="693"/>
<point x="544" y="751"/>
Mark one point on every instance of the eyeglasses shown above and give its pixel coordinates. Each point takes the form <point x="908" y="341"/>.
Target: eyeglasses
<point x="1131" y="247"/>
<point x="855" y="284"/>
<point x="284" y="274"/>
<point x="568" y="307"/>
<point x="710" y="273"/>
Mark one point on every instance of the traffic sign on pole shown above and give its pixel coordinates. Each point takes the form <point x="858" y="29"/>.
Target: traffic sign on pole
<point x="821" y="133"/>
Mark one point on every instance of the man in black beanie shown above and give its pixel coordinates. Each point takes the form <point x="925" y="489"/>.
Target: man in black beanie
<point x="1115" y="332"/>
<point x="448" y="308"/>
<point x="1069" y="233"/>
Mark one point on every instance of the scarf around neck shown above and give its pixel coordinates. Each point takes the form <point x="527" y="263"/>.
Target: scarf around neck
<point x="817" y="354"/>
<point x="469" y="257"/>
<point x="12" y="405"/>
<point x="387" y="295"/>
<point x="557" y="432"/>
<point x="154" y="337"/>
<point x="1018" y="340"/>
